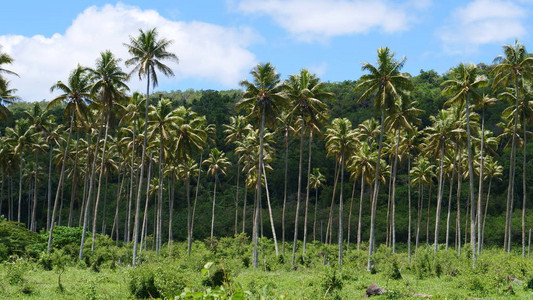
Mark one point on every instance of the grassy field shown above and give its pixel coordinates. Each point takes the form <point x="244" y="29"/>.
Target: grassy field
<point x="221" y="270"/>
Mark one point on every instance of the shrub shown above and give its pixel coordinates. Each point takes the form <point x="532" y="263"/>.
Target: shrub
<point x="142" y="282"/>
<point x="15" y="239"/>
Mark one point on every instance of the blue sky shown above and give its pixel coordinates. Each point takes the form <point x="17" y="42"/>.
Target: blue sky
<point x="218" y="42"/>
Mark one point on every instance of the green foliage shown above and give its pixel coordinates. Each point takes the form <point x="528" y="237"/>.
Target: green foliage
<point x="15" y="239"/>
<point x="332" y="283"/>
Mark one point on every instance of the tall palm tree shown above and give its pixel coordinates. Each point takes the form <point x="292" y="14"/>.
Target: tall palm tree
<point x="492" y="170"/>
<point x="463" y="87"/>
<point x="402" y="118"/>
<point x="317" y="180"/>
<point x="6" y="97"/>
<point x="512" y="67"/>
<point x="217" y="164"/>
<point x="236" y="130"/>
<point x="148" y="53"/>
<point x="5" y="59"/>
<point x="264" y="99"/>
<point x="340" y="142"/>
<point x="285" y="121"/>
<point x="422" y="173"/>
<point x="385" y="84"/>
<point x="306" y="93"/>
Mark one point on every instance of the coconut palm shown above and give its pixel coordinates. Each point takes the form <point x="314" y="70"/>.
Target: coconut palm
<point x="422" y="173"/>
<point x="492" y="170"/>
<point x="306" y="93"/>
<point x="340" y="142"/>
<point x="385" y="84"/>
<point x="217" y="164"/>
<point x="263" y="98"/>
<point x="7" y="97"/>
<point x="236" y="130"/>
<point x="511" y="68"/>
<point x="402" y="118"/>
<point x="148" y="53"/>
<point x="463" y="87"/>
<point x="317" y="180"/>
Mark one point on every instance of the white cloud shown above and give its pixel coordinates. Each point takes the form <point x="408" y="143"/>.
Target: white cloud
<point x="322" y="19"/>
<point x="483" y="22"/>
<point x="207" y="52"/>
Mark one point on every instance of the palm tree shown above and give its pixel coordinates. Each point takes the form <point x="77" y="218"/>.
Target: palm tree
<point x="147" y="53"/>
<point x="512" y="67"/>
<point x="306" y="92"/>
<point x="236" y="130"/>
<point x="340" y="142"/>
<point x="403" y="117"/>
<point x="218" y="164"/>
<point x="5" y="59"/>
<point x="437" y="137"/>
<point x="361" y="165"/>
<point x="492" y="170"/>
<point x="317" y="180"/>
<point x="6" y="98"/>
<point x="386" y="85"/>
<point x="263" y="98"/>
<point x="462" y="87"/>
<point x="422" y="173"/>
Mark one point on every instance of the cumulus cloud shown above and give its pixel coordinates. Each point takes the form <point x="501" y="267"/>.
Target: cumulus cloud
<point x="322" y="19"/>
<point x="207" y="52"/>
<point x="483" y="22"/>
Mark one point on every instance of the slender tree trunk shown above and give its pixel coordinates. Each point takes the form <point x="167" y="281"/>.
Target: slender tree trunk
<point x="141" y="173"/>
<point x="409" y="207"/>
<point x="49" y="192"/>
<point x="144" y="228"/>
<point x="458" y="199"/>
<point x="119" y="194"/>
<point x="284" y="192"/>
<point x="393" y="195"/>
<point x="341" y="211"/>
<point x="237" y="197"/>
<point x="360" y="211"/>
<point x="524" y="187"/>
<point x="298" y="196"/>
<point x="471" y="181"/>
<point x="34" y="207"/>
<point x="273" y="228"/>
<point x="244" y="208"/>
<point x="59" y="185"/>
<point x="19" y="209"/>
<point x="429" y="209"/>
<point x="74" y="184"/>
<point x="329" y="227"/>
<point x="160" y="194"/>
<point x="510" y="187"/>
<point x="171" y="209"/>
<point x="348" y="233"/>
<point x="485" y="215"/>
<point x="479" y="212"/>
<point x="127" y="230"/>
<point x="213" y="210"/>
<point x="102" y="171"/>
<point x="258" y="191"/>
<point x="371" y="242"/>
<point x="419" y="213"/>
<point x="308" y="189"/>
<point x="448" y="217"/>
<point x="439" y="197"/>
<point x="189" y="246"/>
<point x="314" y="218"/>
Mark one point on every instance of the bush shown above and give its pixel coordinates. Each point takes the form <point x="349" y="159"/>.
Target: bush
<point x="15" y="239"/>
<point x="142" y="282"/>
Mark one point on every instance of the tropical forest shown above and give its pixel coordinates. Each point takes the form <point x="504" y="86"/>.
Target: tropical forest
<point x="391" y="185"/>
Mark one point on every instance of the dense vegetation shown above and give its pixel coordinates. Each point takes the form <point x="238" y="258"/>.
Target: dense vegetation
<point x="282" y="171"/>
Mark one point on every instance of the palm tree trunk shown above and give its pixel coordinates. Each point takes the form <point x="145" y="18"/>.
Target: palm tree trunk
<point x="74" y="184"/>
<point x="244" y="208"/>
<point x="448" y="217"/>
<point x="458" y="201"/>
<point x="393" y="196"/>
<point x="360" y="210"/>
<point x="189" y="246"/>
<point x="298" y="196"/>
<point x="119" y="193"/>
<point x="147" y="198"/>
<point x="270" y="213"/>
<point x="471" y="181"/>
<point x="141" y="173"/>
<point x="308" y="189"/>
<point x="237" y="197"/>
<point x="59" y="185"/>
<point x="34" y="207"/>
<point x="258" y="191"/>
<point x="409" y="207"/>
<point x="348" y="233"/>
<point x="439" y="198"/>
<point x="20" y="187"/>
<point x="160" y="194"/>
<point x="329" y="228"/>
<point x="284" y="193"/>
<point x="49" y="196"/>
<point x="429" y="209"/>
<point x="510" y="187"/>
<point x="102" y="171"/>
<point x="314" y="218"/>
<point x="213" y="210"/>
<point x="480" y="185"/>
<point x="127" y="230"/>
<point x="419" y="212"/>
<point x="485" y="215"/>
<point x="171" y="209"/>
<point x="341" y="210"/>
<point x="371" y="242"/>
<point x="524" y="187"/>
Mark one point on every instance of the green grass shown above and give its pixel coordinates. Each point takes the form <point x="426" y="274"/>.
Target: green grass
<point x="444" y="275"/>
